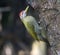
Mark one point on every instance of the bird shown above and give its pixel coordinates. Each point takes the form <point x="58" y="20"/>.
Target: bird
<point x="33" y="28"/>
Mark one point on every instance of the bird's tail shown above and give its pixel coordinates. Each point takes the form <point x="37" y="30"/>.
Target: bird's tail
<point x="45" y="40"/>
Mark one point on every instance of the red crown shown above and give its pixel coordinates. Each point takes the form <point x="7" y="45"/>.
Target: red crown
<point x="21" y="13"/>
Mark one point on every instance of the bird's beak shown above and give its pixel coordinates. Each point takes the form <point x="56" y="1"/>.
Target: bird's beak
<point x="26" y="8"/>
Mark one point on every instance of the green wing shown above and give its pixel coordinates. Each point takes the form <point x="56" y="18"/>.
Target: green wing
<point x="31" y="30"/>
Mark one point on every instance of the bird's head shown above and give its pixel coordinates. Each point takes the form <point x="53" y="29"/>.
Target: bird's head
<point x="23" y="13"/>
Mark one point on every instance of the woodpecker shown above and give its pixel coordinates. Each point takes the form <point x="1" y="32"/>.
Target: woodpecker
<point x="37" y="32"/>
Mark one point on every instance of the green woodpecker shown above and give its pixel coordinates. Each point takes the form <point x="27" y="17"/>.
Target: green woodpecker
<point x="37" y="32"/>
